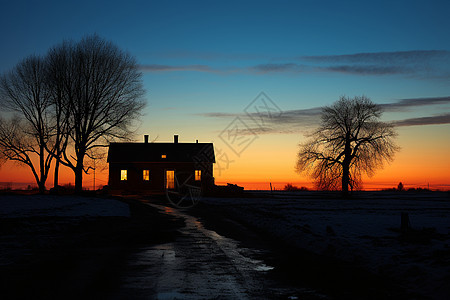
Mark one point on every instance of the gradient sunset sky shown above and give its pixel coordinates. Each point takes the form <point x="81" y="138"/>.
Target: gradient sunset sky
<point x="208" y="65"/>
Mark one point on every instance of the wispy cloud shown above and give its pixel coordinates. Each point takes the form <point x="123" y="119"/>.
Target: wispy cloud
<point x="290" y="121"/>
<point x="301" y="120"/>
<point x="368" y="69"/>
<point x="167" y="68"/>
<point x="396" y="57"/>
<point x="289" y="116"/>
<point x="433" y="120"/>
<point x="404" y="104"/>
<point x="219" y="115"/>
<point x="277" y="68"/>
<point x="418" y="63"/>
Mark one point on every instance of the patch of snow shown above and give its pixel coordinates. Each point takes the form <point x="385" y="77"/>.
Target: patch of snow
<point x="23" y="206"/>
<point x="364" y="231"/>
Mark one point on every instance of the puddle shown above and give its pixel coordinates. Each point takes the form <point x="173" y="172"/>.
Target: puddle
<point x="263" y="268"/>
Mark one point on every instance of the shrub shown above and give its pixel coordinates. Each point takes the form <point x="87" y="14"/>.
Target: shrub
<point x="290" y="187"/>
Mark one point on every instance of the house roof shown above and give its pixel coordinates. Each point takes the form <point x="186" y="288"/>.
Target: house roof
<point x="153" y="152"/>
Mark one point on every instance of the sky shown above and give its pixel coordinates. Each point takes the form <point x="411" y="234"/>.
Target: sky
<point x="213" y="67"/>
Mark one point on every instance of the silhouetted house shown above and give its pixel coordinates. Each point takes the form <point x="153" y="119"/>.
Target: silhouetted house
<point x="155" y="167"/>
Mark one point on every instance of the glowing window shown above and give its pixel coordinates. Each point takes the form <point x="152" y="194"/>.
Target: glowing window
<point x="170" y="179"/>
<point x="146" y="175"/>
<point x="198" y="175"/>
<point x="163" y="156"/>
<point x="123" y="175"/>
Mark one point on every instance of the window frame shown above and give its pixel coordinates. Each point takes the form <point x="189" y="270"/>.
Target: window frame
<point x="123" y="175"/>
<point x="166" y="181"/>
<point x="144" y="177"/>
<point x="198" y="175"/>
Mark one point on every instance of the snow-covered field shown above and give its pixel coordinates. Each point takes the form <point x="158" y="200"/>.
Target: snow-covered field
<point x="30" y="223"/>
<point x="22" y="206"/>
<point x="364" y="231"/>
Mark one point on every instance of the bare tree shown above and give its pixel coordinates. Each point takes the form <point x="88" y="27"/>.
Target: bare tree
<point x="3" y="158"/>
<point x="57" y="77"/>
<point x="22" y="91"/>
<point x="350" y="141"/>
<point x="19" y="146"/>
<point x="102" y="89"/>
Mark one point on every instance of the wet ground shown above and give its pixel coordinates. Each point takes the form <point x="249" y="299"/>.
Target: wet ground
<point x="201" y="264"/>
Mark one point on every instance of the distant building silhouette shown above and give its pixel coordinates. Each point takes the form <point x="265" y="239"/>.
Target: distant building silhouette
<point x="153" y="168"/>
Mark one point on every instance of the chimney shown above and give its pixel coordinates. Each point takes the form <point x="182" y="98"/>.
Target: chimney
<point x="146" y="138"/>
<point x="175" y="139"/>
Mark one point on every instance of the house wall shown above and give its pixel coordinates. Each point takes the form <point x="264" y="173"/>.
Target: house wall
<point x="184" y="173"/>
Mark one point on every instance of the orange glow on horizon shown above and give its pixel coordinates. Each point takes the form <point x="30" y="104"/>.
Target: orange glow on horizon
<point x="423" y="161"/>
<point x="367" y="186"/>
<point x="20" y="176"/>
<point x="387" y="178"/>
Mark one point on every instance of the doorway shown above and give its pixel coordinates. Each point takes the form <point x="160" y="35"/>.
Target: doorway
<point x="170" y="179"/>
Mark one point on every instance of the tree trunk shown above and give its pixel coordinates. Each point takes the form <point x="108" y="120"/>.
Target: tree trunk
<point x="41" y="185"/>
<point x="56" y="175"/>
<point x="42" y="170"/>
<point x="345" y="177"/>
<point x="78" y="180"/>
<point x="346" y="166"/>
<point x="79" y="173"/>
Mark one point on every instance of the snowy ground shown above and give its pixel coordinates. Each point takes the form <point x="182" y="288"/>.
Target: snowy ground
<point x="23" y="206"/>
<point x="364" y="231"/>
<point x="69" y="247"/>
<point x="30" y="223"/>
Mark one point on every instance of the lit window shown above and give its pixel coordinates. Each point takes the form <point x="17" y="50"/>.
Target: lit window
<point x="146" y="175"/>
<point x="163" y="156"/>
<point x="198" y="175"/>
<point x="170" y="179"/>
<point x="123" y="174"/>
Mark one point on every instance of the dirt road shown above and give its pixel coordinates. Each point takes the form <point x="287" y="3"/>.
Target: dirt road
<point x="201" y="264"/>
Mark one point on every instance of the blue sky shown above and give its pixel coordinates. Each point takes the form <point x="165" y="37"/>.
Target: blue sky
<point x="203" y="58"/>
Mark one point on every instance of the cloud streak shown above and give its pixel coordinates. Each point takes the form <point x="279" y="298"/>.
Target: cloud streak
<point x="289" y="116"/>
<point x="288" y="122"/>
<point x="404" y="104"/>
<point x="433" y="120"/>
<point x="279" y="68"/>
<point x="300" y="120"/>
<point x="397" y="57"/>
<point x="418" y="63"/>
<point x="369" y="69"/>
<point x="168" y="68"/>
